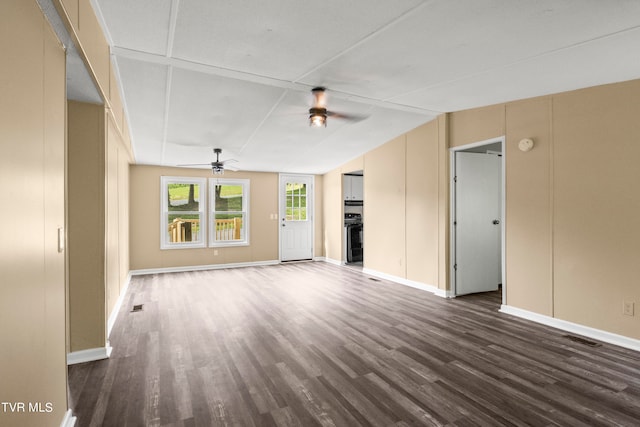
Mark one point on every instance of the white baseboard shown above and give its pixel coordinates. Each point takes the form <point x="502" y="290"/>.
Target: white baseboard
<point x="69" y="420"/>
<point x="116" y="309"/>
<point x="89" y="355"/>
<point x="406" y="282"/>
<point x="332" y="261"/>
<point x="201" y="267"/>
<point x="575" y="328"/>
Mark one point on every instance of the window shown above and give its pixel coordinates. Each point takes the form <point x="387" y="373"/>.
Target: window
<point x="183" y="223"/>
<point x="296" y="195"/>
<point x="229" y="217"/>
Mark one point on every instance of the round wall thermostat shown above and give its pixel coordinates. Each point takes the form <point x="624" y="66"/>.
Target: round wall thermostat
<point x="525" y="144"/>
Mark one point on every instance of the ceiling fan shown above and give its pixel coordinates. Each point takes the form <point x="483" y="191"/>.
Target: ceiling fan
<point x="318" y="113"/>
<point x="217" y="167"/>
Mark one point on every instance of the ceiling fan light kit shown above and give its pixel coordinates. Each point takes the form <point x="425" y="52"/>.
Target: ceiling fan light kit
<point x="318" y="117"/>
<point x="318" y="113"/>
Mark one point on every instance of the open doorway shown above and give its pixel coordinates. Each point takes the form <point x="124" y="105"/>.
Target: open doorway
<point x="353" y="210"/>
<point x="477" y="212"/>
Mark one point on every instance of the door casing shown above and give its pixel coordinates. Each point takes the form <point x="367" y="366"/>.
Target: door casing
<point x="452" y="207"/>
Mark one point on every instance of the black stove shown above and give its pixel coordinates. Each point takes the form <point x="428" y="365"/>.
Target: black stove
<point x="352" y="218"/>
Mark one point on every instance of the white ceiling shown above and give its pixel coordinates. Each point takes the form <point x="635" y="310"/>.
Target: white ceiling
<point x="199" y="74"/>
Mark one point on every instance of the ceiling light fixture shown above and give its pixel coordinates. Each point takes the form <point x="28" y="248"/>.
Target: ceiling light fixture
<point x="217" y="169"/>
<point x="318" y="117"/>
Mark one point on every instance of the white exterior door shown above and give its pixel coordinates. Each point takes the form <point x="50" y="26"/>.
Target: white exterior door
<point x="477" y="222"/>
<point x="296" y="217"/>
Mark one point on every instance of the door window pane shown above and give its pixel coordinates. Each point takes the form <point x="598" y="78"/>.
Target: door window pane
<point x="296" y="198"/>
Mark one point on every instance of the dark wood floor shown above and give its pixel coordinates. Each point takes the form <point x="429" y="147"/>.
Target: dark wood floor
<point x="315" y="344"/>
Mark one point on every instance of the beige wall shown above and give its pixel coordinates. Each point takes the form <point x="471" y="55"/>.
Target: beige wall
<point x="596" y="206"/>
<point x="422" y="183"/>
<point x="333" y="216"/>
<point x="571" y="205"/>
<point x="32" y="138"/>
<point x="528" y="209"/>
<point x="318" y="218"/>
<point x="384" y="208"/>
<point x="572" y="235"/>
<point x="87" y="216"/>
<point x="117" y="210"/>
<point x="98" y="209"/>
<point x="405" y="203"/>
<point x="145" y="221"/>
<point x="84" y="28"/>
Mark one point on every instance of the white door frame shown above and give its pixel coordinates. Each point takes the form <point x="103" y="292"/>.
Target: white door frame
<point x="452" y="210"/>
<point x="281" y="214"/>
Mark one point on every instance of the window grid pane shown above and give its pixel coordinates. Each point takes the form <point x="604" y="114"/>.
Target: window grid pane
<point x="296" y="200"/>
<point x="183" y="221"/>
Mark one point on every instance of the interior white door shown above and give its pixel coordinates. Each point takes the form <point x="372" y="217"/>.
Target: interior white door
<point x="296" y="217"/>
<point x="477" y="218"/>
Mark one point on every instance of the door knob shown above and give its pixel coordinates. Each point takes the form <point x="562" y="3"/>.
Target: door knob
<point x="496" y="221"/>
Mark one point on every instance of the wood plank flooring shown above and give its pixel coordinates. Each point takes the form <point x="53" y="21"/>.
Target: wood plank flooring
<point x="314" y="344"/>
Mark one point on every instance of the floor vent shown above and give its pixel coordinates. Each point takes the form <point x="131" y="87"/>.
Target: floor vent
<point x="374" y="279"/>
<point x="582" y="341"/>
<point x="137" y="307"/>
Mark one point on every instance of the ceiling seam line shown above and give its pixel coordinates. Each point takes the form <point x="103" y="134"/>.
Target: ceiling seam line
<point x="173" y="22"/>
<point x="275" y="105"/>
<point x="369" y="36"/>
<point x="516" y="62"/>
<point x="167" y="99"/>
<point x="267" y="81"/>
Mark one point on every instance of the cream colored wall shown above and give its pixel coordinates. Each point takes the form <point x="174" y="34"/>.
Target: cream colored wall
<point x="479" y="124"/>
<point x="571" y="205"/>
<point x="422" y="183"/>
<point x="32" y="138"/>
<point x="83" y="26"/>
<point x="528" y="208"/>
<point x="87" y="216"/>
<point x="117" y="208"/>
<point x="572" y="237"/>
<point x="596" y="206"/>
<point x="404" y="204"/>
<point x="98" y="208"/>
<point x="385" y="208"/>
<point x="145" y="221"/>
<point x="333" y="216"/>
<point x="318" y="216"/>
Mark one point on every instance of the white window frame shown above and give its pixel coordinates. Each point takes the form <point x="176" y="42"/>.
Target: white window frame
<point x="212" y="212"/>
<point x="165" y="243"/>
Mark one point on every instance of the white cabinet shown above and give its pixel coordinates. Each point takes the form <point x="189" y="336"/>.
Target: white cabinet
<point x="353" y="187"/>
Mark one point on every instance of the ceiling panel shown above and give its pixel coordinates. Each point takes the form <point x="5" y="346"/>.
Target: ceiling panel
<point x="452" y="39"/>
<point x="141" y="25"/>
<point x="606" y="60"/>
<point x="212" y="111"/>
<point x="199" y="74"/>
<point x="282" y="39"/>
<point x="144" y="85"/>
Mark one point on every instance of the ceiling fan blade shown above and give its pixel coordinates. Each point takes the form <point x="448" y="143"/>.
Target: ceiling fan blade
<point x="224" y="162"/>
<point x="349" y="117"/>
<point x="195" y="164"/>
